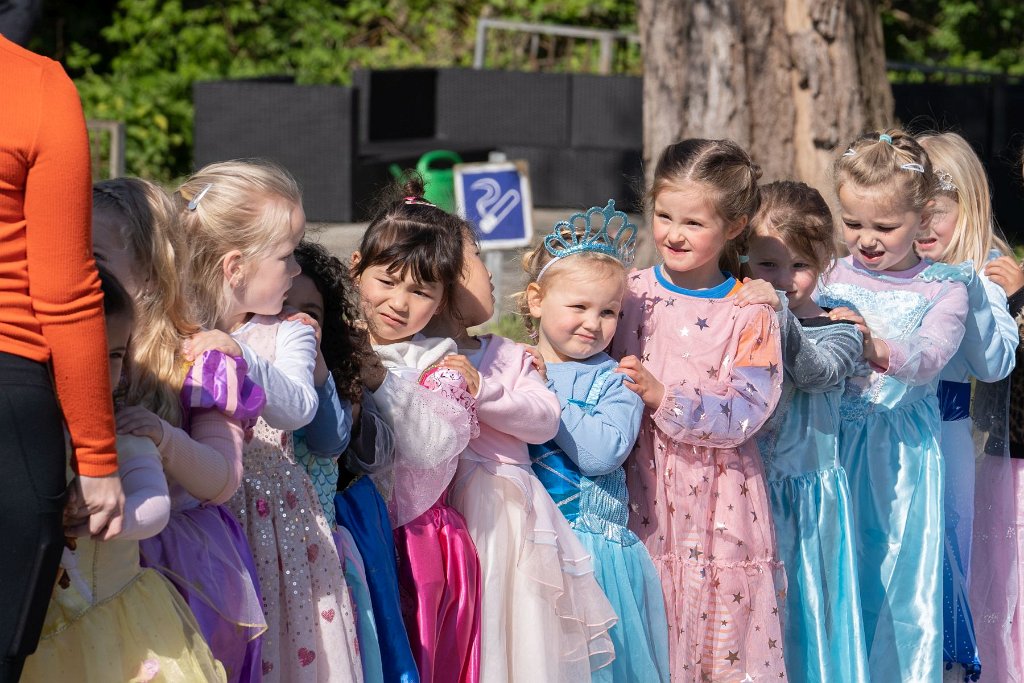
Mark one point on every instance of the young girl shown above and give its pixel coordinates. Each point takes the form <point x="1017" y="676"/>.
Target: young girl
<point x="888" y="442"/>
<point x="961" y="229"/>
<point x="321" y="295"/>
<point x="544" y="615"/>
<point x="708" y="367"/>
<point x="406" y="268"/>
<point x="791" y="244"/>
<point x="244" y="220"/>
<point x="577" y="280"/>
<point x="109" y="619"/>
<point x="194" y="413"/>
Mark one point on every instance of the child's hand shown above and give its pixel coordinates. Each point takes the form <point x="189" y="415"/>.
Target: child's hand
<point x="207" y="340"/>
<point x="292" y="314"/>
<point x="758" y="292"/>
<point x="140" y="422"/>
<point x="538" y="361"/>
<point x="876" y="351"/>
<point x="461" y="364"/>
<point x="644" y="384"/>
<point x="372" y="374"/>
<point x="1005" y="272"/>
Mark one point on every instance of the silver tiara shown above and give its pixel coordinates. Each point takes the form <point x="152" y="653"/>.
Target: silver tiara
<point x="946" y="183"/>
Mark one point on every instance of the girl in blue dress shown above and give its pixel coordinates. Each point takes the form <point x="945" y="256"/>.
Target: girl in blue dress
<point x="577" y="281"/>
<point x="790" y="245"/>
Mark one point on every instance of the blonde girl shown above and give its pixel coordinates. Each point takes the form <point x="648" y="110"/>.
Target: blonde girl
<point x="243" y="220"/>
<point x="572" y="302"/>
<point x="705" y="359"/>
<point x="912" y="320"/>
<point x="198" y="432"/>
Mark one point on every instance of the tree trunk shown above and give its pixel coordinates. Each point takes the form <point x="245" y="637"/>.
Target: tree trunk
<point x="790" y="80"/>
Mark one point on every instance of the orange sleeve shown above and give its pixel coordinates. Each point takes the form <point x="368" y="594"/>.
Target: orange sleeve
<point x="63" y="283"/>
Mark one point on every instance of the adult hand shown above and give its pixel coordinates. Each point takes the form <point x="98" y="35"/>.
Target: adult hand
<point x="644" y="384"/>
<point x="102" y="499"/>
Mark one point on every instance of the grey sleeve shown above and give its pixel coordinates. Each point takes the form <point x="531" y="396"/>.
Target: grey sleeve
<point x="821" y="359"/>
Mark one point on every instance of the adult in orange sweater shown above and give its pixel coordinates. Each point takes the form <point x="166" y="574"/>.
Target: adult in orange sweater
<point x="51" y="321"/>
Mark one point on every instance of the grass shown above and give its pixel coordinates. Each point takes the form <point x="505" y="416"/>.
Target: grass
<point x="509" y="326"/>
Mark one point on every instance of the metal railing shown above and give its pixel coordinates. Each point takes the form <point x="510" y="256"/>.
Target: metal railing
<point x="606" y="39"/>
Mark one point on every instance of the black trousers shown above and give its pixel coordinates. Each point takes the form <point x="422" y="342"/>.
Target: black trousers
<point x="33" y="483"/>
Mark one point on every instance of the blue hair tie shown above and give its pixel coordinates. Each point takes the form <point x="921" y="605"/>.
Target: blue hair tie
<point x="885" y="138"/>
<point x="744" y="258"/>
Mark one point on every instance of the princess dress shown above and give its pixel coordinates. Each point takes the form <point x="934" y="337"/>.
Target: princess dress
<point x="203" y="550"/>
<point x="362" y="511"/>
<point x="114" y="620"/>
<point x="544" y="616"/>
<point x="600" y="420"/>
<point x="810" y="499"/>
<point x="311" y="633"/>
<point x="888" y="444"/>
<point x="432" y="417"/>
<point x="696" y="482"/>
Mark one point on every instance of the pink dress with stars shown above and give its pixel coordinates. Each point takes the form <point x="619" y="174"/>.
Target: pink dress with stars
<point x="696" y="481"/>
<point x="311" y="634"/>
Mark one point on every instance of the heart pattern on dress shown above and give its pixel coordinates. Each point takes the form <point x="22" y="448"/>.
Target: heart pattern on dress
<point x="328" y="615"/>
<point x="312" y="552"/>
<point x="306" y="657"/>
<point x="262" y="507"/>
<point x="291" y="499"/>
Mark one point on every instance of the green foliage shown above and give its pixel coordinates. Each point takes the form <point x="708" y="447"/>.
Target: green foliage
<point x="984" y="35"/>
<point x="152" y="51"/>
<point x="509" y="326"/>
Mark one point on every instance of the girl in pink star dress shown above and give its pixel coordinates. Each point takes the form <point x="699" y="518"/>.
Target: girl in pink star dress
<point x="705" y="356"/>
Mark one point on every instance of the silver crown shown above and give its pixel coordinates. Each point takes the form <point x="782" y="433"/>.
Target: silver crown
<point x="579" y="234"/>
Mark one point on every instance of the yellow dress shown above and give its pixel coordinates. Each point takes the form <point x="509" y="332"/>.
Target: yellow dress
<point x="118" y="622"/>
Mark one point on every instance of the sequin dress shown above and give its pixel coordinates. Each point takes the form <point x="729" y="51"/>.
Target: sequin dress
<point x="810" y="498"/>
<point x="311" y="632"/>
<point x="600" y="420"/>
<point x="698" y="497"/>
<point x="889" y="446"/>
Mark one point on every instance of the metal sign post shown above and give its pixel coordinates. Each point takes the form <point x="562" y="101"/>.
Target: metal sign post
<point x="495" y="197"/>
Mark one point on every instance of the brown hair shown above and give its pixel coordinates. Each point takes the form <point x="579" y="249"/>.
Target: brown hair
<point x="800" y="216"/>
<point x="722" y="166"/>
<point x="410" y="234"/>
<point x="891" y="159"/>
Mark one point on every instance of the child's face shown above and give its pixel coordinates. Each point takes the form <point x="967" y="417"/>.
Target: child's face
<point x="474" y="295"/>
<point x="396" y="307"/>
<point x="774" y="262"/>
<point x="265" y="282"/>
<point x="933" y="241"/>
<point x="578" y="309"/>
<point x="110" y="250"/>
<point x="688" y="231"/>
<point x="119" y="330"/>
<point x="879" y="230"/>
<point x="306" y="297"/>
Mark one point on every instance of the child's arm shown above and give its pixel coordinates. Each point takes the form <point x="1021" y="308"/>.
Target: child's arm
<point x="373" y="447"/>
<point x="517" y="402"/>
<point x="207" y="460"/>
<point x="920" y="358"/>
<point x="726" y="405"/>
<point x="147" y="504"/>
<point x="990" y="335"/>
<point x="821" y="364"/>
<point x="328" y="434"/>
<point x="599" y="439"/>
<point x="288" y="381"/>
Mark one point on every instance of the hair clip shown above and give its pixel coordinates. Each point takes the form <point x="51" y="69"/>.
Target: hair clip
<point x="198" y="197"/>
<point x="916" y="167"/>
<point x="573" y="237"/>
<point x="885" y="137"/>
<point x="945" y="181"/>
<point x="420" y="201"/>
<point x="744" y="258"/>
<point x="849" y="152"/>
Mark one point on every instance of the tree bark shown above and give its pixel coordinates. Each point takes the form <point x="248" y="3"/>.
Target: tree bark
<point x="790" y="80"/>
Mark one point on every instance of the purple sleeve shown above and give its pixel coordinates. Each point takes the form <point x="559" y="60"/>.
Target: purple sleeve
<point x="920" y="357"/>
<point x="219" y="382"/>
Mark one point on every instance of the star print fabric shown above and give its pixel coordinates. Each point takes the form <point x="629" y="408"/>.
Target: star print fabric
<point x="696" y="481"/>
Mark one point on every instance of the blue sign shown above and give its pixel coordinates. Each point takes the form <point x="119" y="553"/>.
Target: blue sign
<point x="495" y="197"/>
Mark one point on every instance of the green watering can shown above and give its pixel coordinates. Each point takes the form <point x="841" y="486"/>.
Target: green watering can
<point x="435" y="167"/>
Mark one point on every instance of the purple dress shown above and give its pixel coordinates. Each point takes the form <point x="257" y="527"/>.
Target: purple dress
<point x="203" y="550"/>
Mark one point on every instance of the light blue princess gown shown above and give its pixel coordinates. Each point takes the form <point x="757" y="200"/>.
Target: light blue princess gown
<point x="889" y="446"/>
<point x="582" y="470"/>
<point x="810" y="499"/>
